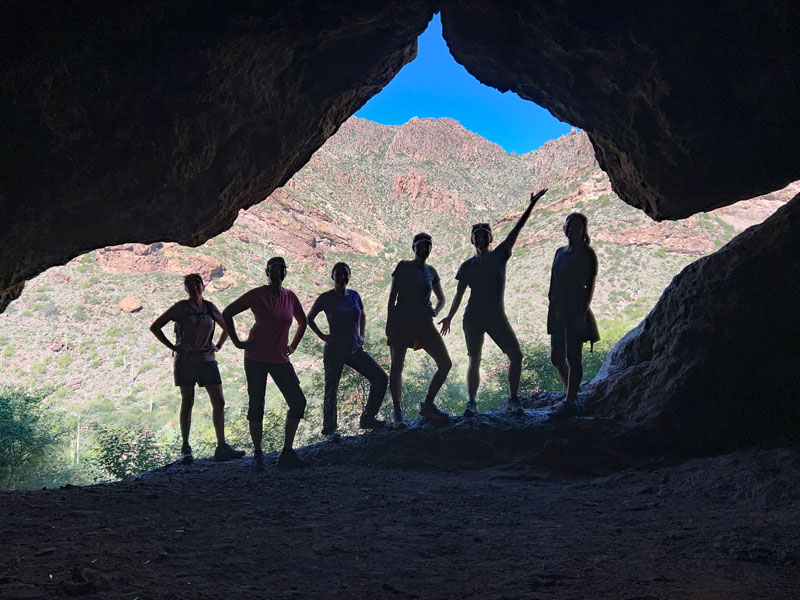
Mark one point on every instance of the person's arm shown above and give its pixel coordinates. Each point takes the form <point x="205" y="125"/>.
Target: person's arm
<point x="362" y="323"/>
<point x="392" y="295"/>
<point x="302" y="323"/>
<point x="511" y="238"/>
<point x="158" y="325"/>
<point x="312" y="314"/>
<point x="217" y="316"/>
<point x="241" y="304"/>
<point x="440" y="298"/>
<point x="445" y="323"/>
<point x="588" y="286"/>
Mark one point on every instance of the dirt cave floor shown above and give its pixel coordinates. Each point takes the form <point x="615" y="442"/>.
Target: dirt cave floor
<point x="724" y="527"/>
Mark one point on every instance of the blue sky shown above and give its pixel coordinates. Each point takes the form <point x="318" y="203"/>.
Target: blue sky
<point x="435" y="85"/>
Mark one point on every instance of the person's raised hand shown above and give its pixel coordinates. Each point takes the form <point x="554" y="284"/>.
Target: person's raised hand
<point x="535" y="197"/>
<point x="445" y="323"/>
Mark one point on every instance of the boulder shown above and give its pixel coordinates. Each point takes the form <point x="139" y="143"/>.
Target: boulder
<point x="129" y="304"/>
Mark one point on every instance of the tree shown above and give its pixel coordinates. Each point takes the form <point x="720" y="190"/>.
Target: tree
<point x="28" y="435"/>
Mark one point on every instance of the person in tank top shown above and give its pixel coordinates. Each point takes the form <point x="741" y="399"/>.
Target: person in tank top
<point x="570" y="321"/>
<point x="344" y="343"/>
<point x="195" y="361"/>
<point x="409" y="324"/>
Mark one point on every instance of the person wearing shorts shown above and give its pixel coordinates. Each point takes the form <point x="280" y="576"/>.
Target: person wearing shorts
<point x="344" y="345"/>
<point x="266" y="352"/>
<point x="195" y="361"/>
<point x="485" y="275"/>
<point x="570" y="321"/>
<point x="409" y="324"/>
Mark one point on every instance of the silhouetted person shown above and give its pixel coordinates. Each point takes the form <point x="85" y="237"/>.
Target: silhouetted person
<point x="195" y="361"/>
<point x="344" y="346"/>
<point x="409" y="324"/>
<point x="570" y="321"/>
<point x="266" y="352"/>
<point x="485" y="275"/>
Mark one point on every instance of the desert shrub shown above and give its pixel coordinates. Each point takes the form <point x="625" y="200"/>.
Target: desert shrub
<point x="28" y="434"/>
<point x="125" y="452"/>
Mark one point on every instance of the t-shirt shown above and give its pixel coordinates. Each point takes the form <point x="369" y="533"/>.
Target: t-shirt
<point x="572" y="274"/>
<point x="486" y="278"/>
<point x="269" y="336"/>
<point x="195" y="329"/>
<point x="413" y="283"/>
<point x="344" y="318"/>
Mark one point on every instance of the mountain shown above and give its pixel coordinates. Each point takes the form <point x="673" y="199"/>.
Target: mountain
<point x="360" y="199"/>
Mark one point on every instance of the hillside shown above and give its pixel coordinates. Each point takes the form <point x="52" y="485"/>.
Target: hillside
<point x="359" y="199"/>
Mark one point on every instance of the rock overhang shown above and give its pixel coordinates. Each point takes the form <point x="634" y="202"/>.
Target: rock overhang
<point x="127" y="123"/>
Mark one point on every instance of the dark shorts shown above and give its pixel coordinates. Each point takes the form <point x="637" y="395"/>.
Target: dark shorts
<point x="411" y="333"/>
<point x="498" y="328"/>
<point x="284" y="377"/>
<point x="201" y="372"/>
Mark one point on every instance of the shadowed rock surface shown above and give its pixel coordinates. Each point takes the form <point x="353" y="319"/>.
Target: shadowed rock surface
<point x="715" y="364"/>
<point x="140" y="124"/>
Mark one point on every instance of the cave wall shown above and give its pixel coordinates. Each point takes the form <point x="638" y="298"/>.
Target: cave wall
<point x="159" y="121"/>
<point x="716" y="363"/>
<point x="690" y="105"/>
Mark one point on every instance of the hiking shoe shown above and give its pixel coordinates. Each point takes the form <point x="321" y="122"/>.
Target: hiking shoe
<point x="566" y="409"/>
<point x="398" y="422"/>
<point x="370" y="422"/>
<point x="186" y="454"/>
<point x="289" y="460"/>
<point x="225" y="452"/>
<point x="258" y="462"/>
<point x="333" y="437"/>
<point x="429" y="411"/>
<point x="471" y="410"/>
<point x="514" y="405"/>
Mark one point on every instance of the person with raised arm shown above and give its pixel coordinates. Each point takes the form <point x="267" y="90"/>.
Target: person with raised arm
<point x="570" y="321"/>
<point x="196" y="361"/>
<point x="266" y="352"/>
<point x="485" y="275"/>
<point x="344" y="345"/>
<point x="409" y="324"/>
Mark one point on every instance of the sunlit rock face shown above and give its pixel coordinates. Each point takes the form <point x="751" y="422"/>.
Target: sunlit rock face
<point x="142" y="123"/>
<point x="716" y="363"/>
<point x="690" y="106"/>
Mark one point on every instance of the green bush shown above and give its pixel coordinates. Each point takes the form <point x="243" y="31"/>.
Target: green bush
<point x="125" y="452"/>
<point x="28" y="435"/>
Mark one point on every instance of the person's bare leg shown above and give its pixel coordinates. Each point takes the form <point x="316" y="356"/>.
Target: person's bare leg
<point x="398" y="355"/>
<point x="187" y="402"/>
<point x="217" y="411"/>
<point x="256" y="432"/>
<point x="289" y="432"/>
<point x="473" y="378"/>
<point x="558" y="356"/>
<point x="438" y="352"/>
<point x="514" y="371"/>
<point x="574" y="361"/>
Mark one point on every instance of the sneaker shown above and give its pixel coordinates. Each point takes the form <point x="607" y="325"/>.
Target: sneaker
<point x="370" y="422"/>
<point x="225" y="452"/>
<point x="186" y="454"/>
<point x="333" y="437"/>
<point x="398" y="422"/>
<point x="289" y="460"/>
<point x="568" y="408"/>
<point x="514" y="405"/>
<point x="258" y="462"/>
<point x="471" y="410"/>
<point x="428" y="410"/>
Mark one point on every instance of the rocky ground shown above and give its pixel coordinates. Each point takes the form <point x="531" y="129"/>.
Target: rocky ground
<point x="496" y="524"/>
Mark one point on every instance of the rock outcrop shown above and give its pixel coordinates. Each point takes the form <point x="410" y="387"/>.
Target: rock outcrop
<point x="716" y="363"/>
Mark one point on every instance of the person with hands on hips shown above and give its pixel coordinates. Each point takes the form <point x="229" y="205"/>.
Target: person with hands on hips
<point x="485" y="275"/>
<point x="344" y="343"/>
<point x="409" y="324"/>
<point x="266" y="352"/>
<point x="195" y="361"/>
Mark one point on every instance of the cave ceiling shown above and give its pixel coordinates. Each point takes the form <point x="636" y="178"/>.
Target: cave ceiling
<point x="125" y="122"/>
